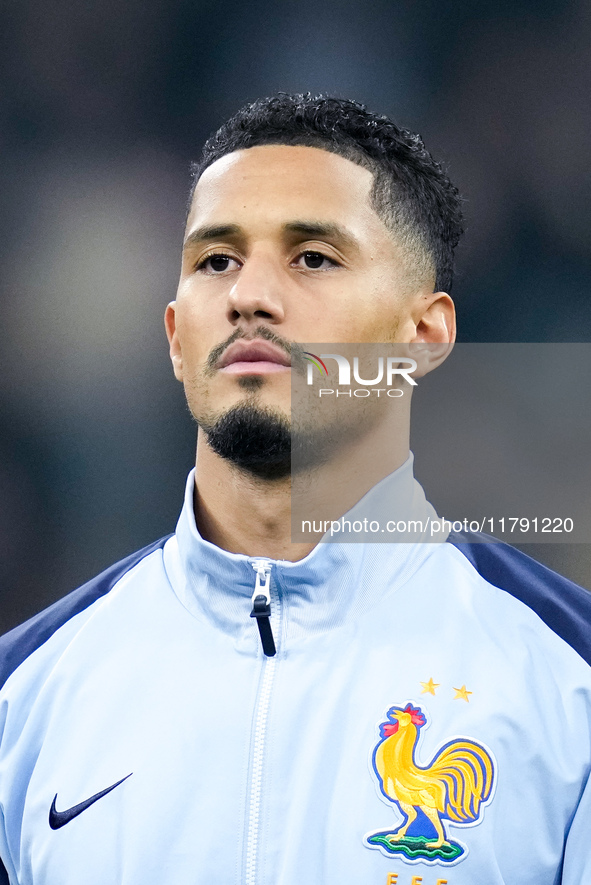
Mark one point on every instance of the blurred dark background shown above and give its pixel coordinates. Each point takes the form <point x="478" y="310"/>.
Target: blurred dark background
<point x="103" y="106"/>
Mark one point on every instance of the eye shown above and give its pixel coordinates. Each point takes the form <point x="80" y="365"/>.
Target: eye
<point x="215" y="263"/>
<point x="316" y="260"/>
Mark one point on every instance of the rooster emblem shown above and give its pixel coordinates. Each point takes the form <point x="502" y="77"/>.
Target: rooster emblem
<point x="453" y="787"/>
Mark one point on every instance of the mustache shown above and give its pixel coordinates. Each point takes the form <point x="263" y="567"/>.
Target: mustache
<point x="293" y="350"/>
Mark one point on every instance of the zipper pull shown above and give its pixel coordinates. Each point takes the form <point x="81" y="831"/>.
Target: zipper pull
<point x="261" y="605"/>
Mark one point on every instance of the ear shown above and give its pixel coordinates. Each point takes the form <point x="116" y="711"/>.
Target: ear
<point x="173" y="339"/>
<point x="435" y="325"/>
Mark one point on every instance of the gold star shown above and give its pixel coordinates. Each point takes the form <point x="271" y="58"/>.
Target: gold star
<point x="462" y="693"/>
<point x="430" y="686"/>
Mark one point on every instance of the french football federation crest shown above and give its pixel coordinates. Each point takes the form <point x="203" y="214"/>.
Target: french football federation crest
<point x="452" y="787"/>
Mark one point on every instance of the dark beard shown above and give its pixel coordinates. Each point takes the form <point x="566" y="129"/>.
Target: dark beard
<point x="254" y="439"/>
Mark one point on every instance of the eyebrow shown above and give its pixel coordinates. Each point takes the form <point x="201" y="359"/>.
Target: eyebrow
<point x="212" y="232"/>
<point x="328" y="230"/>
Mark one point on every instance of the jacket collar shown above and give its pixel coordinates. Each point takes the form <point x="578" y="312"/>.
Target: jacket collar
<point x="337" y="578"/>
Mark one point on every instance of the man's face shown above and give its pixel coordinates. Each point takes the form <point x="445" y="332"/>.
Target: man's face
<point x="282" y="245"/>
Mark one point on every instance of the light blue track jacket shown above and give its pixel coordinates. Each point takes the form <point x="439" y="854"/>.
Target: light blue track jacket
<point x="426" y="720"/>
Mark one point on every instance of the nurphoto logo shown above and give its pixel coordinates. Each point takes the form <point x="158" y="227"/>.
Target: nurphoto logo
<point x="388" y="370"/>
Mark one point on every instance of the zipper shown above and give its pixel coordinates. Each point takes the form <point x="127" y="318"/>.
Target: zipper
<point x="261" y="601"/>
<point x="261" y="605"/>
<point x="254" y="808"/>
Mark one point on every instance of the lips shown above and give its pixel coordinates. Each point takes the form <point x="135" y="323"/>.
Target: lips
<point x="253" y="357"/>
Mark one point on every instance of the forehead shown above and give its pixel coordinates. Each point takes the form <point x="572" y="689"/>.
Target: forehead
<point x="278" y="182"/>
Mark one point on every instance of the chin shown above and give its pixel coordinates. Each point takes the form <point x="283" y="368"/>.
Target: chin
<point x="253" y="437"/>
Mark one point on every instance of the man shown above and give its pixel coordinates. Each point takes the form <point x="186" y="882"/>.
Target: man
<point x="405" y="713"/>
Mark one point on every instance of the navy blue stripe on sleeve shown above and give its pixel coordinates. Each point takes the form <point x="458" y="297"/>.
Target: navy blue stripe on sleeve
<point x="18" y="644"/>
<point x="3" y="875"/>
<point x="563" y="606"/>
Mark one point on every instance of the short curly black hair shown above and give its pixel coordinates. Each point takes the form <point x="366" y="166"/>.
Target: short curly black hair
<point x="411" y="192"/>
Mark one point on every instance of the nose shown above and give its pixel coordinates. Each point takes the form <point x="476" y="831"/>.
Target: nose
<point x="258" y="293"/>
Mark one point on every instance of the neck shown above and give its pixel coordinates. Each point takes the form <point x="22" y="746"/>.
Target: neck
<point x="244" y="514"/>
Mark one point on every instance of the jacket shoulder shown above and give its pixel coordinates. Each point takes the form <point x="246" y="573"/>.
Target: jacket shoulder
<point x="17" y="645"/>
<point x="564" y="606"/>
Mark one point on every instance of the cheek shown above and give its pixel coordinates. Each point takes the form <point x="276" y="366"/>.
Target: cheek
<point x="387" y="328"/>
<point x="194" y="335"/>
<point x="378" y="318"/>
